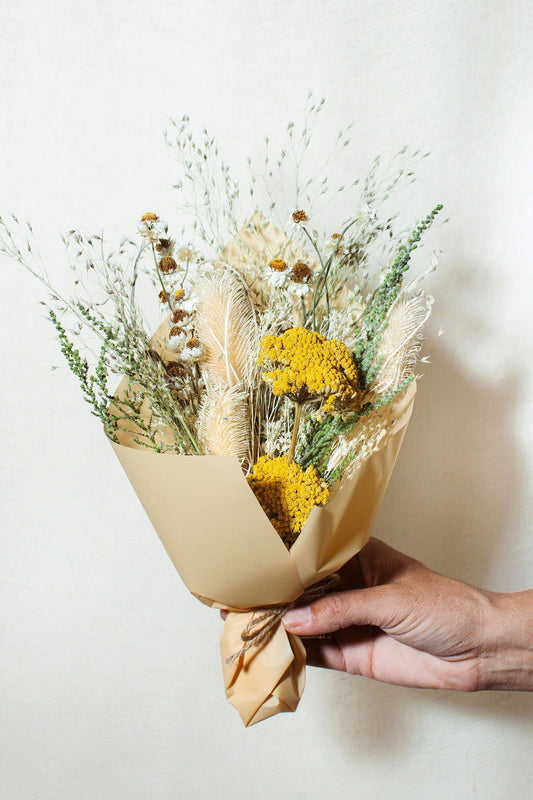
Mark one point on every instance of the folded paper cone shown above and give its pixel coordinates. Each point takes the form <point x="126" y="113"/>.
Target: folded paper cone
<point x="230" y="556"/>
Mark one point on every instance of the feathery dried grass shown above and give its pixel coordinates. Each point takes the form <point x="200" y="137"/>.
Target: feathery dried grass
<point x="371" y="432"/>
<point x="401" y="342"/>
<point x="227" y="327"/>
<point x="223" y="422"/>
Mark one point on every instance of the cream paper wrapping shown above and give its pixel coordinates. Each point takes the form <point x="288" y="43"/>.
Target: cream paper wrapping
<point x="230" y="556"/>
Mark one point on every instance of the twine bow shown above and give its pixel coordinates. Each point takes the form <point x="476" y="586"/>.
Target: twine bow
<point x="261" y="629"/>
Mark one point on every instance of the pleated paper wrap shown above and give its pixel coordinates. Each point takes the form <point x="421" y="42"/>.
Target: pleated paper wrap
<point x="230" y="556"/>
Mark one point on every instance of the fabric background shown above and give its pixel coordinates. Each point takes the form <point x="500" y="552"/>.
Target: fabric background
<point x="111" y="686"/>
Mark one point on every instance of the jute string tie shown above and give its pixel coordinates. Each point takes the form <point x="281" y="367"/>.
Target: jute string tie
<point x="261" y="629"/>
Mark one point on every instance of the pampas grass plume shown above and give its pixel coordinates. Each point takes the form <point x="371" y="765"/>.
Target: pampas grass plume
<point x="226" y="326"/>
<point x="223" y="422"/>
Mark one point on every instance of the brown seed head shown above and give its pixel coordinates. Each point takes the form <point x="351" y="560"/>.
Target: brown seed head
<point x="149" y="217"/>
<point x="176" y="371"/>
<point x="176" y="330"/>
<point x="168" y="264"/>
<point x="299" y="216"/>
<point x="163" y="244"/>
<point x="192" y="343"/>
<point x="179" y="315"/>
<point x="300" y="273"/>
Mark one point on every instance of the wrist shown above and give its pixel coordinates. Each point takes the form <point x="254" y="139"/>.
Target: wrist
<point x="506" y="660"/>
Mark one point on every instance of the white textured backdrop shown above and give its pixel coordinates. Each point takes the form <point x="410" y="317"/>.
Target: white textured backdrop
<point x="111" y="686"/>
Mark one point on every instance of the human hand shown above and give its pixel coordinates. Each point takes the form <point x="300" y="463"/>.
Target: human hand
<point x="398" y="621"/>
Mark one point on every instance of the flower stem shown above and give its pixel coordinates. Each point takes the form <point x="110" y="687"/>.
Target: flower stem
<point x="165" y="293"/>
<point x="297" y="414"/>
<point x="134" y="276"/>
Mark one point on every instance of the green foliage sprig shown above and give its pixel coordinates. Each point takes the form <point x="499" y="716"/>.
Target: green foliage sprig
<point x="318" y="436"/>
<point x="374" y="316"/>
<point x="93" y="386"/>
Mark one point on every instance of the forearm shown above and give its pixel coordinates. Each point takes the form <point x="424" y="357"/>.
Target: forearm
<point x="508" y="659"/>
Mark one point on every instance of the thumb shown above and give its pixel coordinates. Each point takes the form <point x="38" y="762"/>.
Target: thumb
<point x="376" y="606"/>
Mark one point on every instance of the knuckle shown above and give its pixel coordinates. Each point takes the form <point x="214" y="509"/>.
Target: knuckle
<point x="330" y="609"/>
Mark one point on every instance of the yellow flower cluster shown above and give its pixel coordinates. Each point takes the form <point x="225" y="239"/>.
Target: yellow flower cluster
<point x="303" y="365"/>
<point x="287" y="493"/>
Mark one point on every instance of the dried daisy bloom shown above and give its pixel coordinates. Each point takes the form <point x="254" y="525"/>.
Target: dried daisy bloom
<point x="278" y="273"/>
<point x="301" y="273"/>
<point x="278" y="280"/>
<point x="299" y="279"/>
<point x="165" y="247"/>
<point x="189" y="303"/>
<point x="185" y="304"/>
<point x="168" y="265"/>
<point x="186" y="253"/>
<point x="151" y="227"/>
<point x="335" y="244"/>
<point x="287" y="493"/>
<point x="193" y="350"/>
<point x="299" y="216"/>
<point x="177" y="337"/>
<point x="176" y="372"/>
<point x="179" y="315"/>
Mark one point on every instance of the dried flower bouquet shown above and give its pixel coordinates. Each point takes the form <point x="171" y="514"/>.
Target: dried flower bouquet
<point x="285" y="354"/>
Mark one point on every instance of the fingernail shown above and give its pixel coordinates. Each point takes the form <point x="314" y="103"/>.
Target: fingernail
<point x="297" y="617"/>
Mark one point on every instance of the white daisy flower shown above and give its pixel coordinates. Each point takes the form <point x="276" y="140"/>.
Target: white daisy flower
<point x="165" y="247"/>
<point x="277" y="273"/>
<point x="300" y="278"/>
<point x="187" y="254"/>
<point x="299" y="289"/>
<point x="193" y="350"/>
<point x="186" y="299"/>
<point x="189" y="304"/>
<point x="151" y="228"/>
<point x="277" y="279"/>
<point x="177" y="337"/>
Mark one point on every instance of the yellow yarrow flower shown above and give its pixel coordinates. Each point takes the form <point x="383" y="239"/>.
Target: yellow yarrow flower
<point x="287" y="493"/>
<point x="303" y="365"/>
